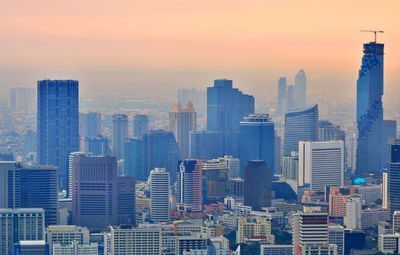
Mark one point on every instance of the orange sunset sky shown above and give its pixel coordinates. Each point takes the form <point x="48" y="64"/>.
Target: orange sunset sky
<point x="321" y="36"/>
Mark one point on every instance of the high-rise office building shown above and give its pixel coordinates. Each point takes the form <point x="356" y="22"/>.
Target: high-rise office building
<point x="205" y="145"/>
<point x="98" y="145"/>
<point x="141" y="125"/>
<point x="282" y="95"/>
<point x="257" y="184"/>
<point x="353" y="212"/>
<point x="99" y="197"/>
<point x="389" y="132"/>
<point x="233" y="166"/>
<point x="57" y="124"/>
<point x="338" y="199"/>
<point x="329" y="132"/>
<point x="181" y="122"/>
<point x="300" y="125"/>
<point x="385" y="190"/>
<point x="290" y="98"/>
<point x="160" y="150"/>
<point x="393" y="181"/>
<point x="336" y="236"/>
<point x="215" y="180"/>
<point x="119" y="135"/>
<point x="257" y="140"/>
<point x="159" y="195"/>
<point x="197" y="96"/>
<point x="189" y="185"/>
<point x="71" y="157"/>
<point x="321" y="164"/>
<point x="32" y="187"/>
<point x="226" y="107"/>
<point x="396" y="222"/>
<point x="36" y="247"/>
<point x="277" y="155"/>
<point x="20" y="224"/>
<point x="370" y="110"/>
<point x="309" y="229"/>
<point x="133" y="159"/>
<point x="89" y="124"/>
<point x="300" y="89"/>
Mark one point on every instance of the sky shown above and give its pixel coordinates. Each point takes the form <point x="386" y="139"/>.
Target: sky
<point x="103" y="38"/>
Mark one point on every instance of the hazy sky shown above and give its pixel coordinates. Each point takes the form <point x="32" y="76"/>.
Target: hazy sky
<point x="277" y="37"/>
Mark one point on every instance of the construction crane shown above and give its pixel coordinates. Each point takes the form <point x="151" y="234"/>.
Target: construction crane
<point x="373" y="31"/>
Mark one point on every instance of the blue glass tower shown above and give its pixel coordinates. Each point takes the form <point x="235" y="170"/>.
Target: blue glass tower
<point x="57" y="124"/>
<point x="370" y="110"/>
<point x="133" y="159"/>
<point x="226" y="107"/>
<point x="257" y="140"/>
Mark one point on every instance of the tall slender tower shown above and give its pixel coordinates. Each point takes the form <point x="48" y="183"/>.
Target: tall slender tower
<point x="119" y="134"/>
<point x="189" y="185"/>
<point x="282" y="95"/>
<point x="57" y="124"/>
<point x="181" y="122"/>
<point x="300" y="89"/>
<point x="370" y="110"/>
<point x="393" y="177"/>
<point x="159" y="195"/>
<point x="140" y="125"/>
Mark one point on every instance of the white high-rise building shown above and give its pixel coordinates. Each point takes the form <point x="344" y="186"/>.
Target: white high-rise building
<point x="233" y="166"/>
<point x="336" y="236"/>
<point x="75" y="248"/>
<point x="321" y="164"/>
<point x="385" y="190"/>
<point x="353" y="212"/>
<point x="159" y="195"/>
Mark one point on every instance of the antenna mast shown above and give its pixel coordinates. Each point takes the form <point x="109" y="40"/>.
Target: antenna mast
<point x="373" y="31"/>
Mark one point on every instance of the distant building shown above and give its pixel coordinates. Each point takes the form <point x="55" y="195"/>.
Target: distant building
<point x="215" y="181"/>
<point x="336" y="236"/>
<point x="23" y="99"/>
<point x="159" y="195"/>
<point x="290" y="166"/>
<point x="257" y="184"/>
<point x="353" y="212"/>
<point x="389" y="243"/>
<point x="396" y="222"/>
<point x="20" y="224"/>
<point x="71" y="157"/>
<point x="141" y="125"/>
<point x="90" y="124"/>
<point x="57" y="130"/>
<point x="134" y="158"/>
<point x="119" y="135"/>
<point x="290" y="98"/>
<point x="257" y="228"/>
<point x="321" y="164"/>
<point x="389" y="132"/>
<point x="282" y="95"/>
<point x="338" y="199"/>
<point x="370" y="110"/>
<point x="37" y="247"/>
<point x="100" y="198"/>
<point x="181" y="123"/>
<point x="393" y="183"/>
<point x="75" y="248"/>
<point x="330" y="132"/>
<point x="98" y="145"/>
<point x="205" y="145"/>
<point x="274" y="249"/>
<point x="300" y="89"/>
<point x="300" y="125"/>
<point x="189" y="185"/>
<point x="233" y="166"/>
<point x="66" y="234"/>
<point x="189" y="243"/>
<point x="257" y="140"/>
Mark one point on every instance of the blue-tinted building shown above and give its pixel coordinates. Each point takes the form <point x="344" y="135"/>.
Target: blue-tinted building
<point x="370" y="110"/>
<point x="257" y="140"/>
<point x="389" y="132"/>
<point x="141" y="125"/>
<point x="300" y="125"/>
<point x="300" y="89"/>
<point x="160" y="150"/>
<point x="133" y="159"/>
<point x="205" y="145"/>
<point x="393" y="181"/>
<point x="226" y="107"/>
<point x="97" y="145"/>
<point x="57" y="124"/>
<point x="282" y="95"/>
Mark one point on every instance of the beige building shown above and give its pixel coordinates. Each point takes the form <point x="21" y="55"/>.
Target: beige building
<point x="254" y="228"/>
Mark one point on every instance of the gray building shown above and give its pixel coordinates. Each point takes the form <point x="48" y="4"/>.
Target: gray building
<point x="119" y="135"/>
<point x="205" y="145"/>
<point x="140" y="125"/>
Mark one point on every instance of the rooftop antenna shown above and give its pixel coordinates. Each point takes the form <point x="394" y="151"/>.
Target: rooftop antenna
<point x="373" y="31"/>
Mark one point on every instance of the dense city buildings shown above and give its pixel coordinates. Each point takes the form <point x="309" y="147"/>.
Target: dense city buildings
<point x="189" y="185"/>
<point x="181" y="122"/>
<point x="159" y="195"/>
<point x="257" y="184"/>
<point x="226" y="106"/>
<point x="141" y="125"/>
<point x="99" y="197"/>
<point x="370" y="110"/>
<point x="300" y="125"/>
<point x="89" y="124"/>
<point x="119" y="134"/>
<point x="257" y="140"/>
<point x="321" y="164"/>
<point x="57" y="124"/>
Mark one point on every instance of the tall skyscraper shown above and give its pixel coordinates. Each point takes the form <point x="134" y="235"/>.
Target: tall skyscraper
<point x="57" y="124"/>
<point x="233" y="166"/>
<point x="20" y="224"/>
<point x="282" y="95"/>
<point x="205" y="145"/>
<point x="300" y="125"/>
<point x="257" y="184"/>
<point x="140" y="125"/>
<point x="321" y="164"/>
<point x="71" y="157"/>
<point x="257" y="140"/>
<point x="328" y="132"/>
<point x="215" y="180"/>
<point x="119" y="135"/>
<point x="189" y="185"/>
<point x="336" y="236"/>
<point x="160" y="150"/>
<point x="133" y="159"/>
<point x="300" y="89"/>
<point x="89" y="124"/>
<point x="159" y="195"/>
<point x="33" y="187"/>
<point x="197" y="96"/>
<point x="370" y="110"/>
<point x="353" y="212"/>
<point x="389" y="132"/>
<point x="393" y="182"/>
<point x="226" y="107"/>
<point x="290" y="98"/>
<point x="181" y="122"/>
<point x="99" y="197"/>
